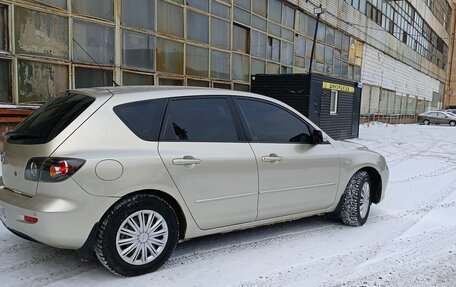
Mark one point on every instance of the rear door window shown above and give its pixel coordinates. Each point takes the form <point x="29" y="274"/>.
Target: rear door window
<point x="143" y="118"/>
<point x="50" y="119"/>
<point x="200" y="120"/>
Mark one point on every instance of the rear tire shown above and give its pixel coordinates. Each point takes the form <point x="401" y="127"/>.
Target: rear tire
<point x="426" y="122"/>
<point x="137" y="235"/>
<point x="356" y="200"/>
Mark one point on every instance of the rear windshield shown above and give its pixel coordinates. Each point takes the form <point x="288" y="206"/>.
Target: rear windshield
<point x="50" y="119"/>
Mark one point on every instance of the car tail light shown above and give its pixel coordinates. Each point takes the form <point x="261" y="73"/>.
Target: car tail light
<point x="52" y="169"/>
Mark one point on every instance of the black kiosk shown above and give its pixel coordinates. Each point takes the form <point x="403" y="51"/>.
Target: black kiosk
<point x="333" y="104"/>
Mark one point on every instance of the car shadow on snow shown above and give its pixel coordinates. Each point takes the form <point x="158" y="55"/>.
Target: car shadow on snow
<point x="57" y="264"/>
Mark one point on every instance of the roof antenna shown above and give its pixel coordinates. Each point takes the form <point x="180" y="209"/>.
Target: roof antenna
<point x="113" y="81"/>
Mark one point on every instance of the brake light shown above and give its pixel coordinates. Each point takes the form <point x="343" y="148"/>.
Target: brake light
<point x="52" y="169"/>
<point x="61" y="168"/>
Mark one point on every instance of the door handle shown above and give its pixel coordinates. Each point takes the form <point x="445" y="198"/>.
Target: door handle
<point x="272" y="158"/>
<point x="187" y="161"/>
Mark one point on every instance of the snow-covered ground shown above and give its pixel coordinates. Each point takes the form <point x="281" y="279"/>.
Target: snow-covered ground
<point x="409" y="239"/>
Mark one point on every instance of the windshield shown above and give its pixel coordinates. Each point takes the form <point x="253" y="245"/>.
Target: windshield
<point x="48" y="121"/>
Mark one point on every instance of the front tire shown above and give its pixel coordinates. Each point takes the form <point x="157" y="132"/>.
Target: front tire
<point x="426" y="122"/>
<point x="356" y="201"/>
<point x="452" y="123"/>
<point x="137" y="235"/>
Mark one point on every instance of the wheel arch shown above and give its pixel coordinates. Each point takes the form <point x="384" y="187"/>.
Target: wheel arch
<point x="168" y="199"/>
<point x="376" y="181"/>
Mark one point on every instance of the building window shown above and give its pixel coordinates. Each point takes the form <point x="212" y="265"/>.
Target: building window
<point x="259" y="7"/>
<point x="197" y="27"/>
<point x="241" y="16"/>
<point x="286" y="55"/>
<point x="197" y="61"/>
<point x="138" y="13"/>
<point x="273" y="49"/>
<point x="55" y="3"/>
<point x="199" y="4"/>
<point x="3" y="28"/>
<point x="240" y="38"/>
<point x="88" y="78"/>
<point x="170" y="19"/>
<point x="5" y="81"/>
<point x="258" y="67"/>
<point x="288" y="16"/>
<point x="272" y="68"/>
<point x="93" y="42"/>
<point x="135" y="79"/>
<point x="103" y="9"/>
<point x="300" y="46"/>
<point x="225" y="86"/>
<point x="275" y="10"/>
<point x="220" y="33"/>
<point x="197" y="83"/>
<point x="41" y="34"/>
<point x="170" y="56"/>
<point x="258" y="46"/>
<point x="241" y="87"/>
<point x="245" y="4"/>
<point x="241" y="67"/>
<point x="334" y="100"/>
<point x="220" y="65"/>
<point x="170" y="82"/>
<point x="220" y="10"/>
<point x="138" y="50"/>
<point x="40" y="82"/>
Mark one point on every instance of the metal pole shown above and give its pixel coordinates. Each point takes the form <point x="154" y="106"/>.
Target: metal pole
<point x="313" y="44"/>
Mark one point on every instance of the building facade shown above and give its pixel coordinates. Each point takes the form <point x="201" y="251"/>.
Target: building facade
<point x="450" y="89"/>
<point x="398" y="50"/>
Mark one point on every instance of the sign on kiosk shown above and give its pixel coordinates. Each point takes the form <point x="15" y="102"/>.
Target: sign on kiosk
<point x="337" y="87"/>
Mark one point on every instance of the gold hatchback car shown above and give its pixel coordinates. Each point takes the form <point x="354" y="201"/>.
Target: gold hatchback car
<point x="128" y="172"/>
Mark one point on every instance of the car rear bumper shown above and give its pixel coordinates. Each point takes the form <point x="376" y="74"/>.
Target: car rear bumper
<point x="62" y="222"/>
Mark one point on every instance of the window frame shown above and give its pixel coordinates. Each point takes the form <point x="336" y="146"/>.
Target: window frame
<point x="240" y="131"/>
<point x="246" y="126"/>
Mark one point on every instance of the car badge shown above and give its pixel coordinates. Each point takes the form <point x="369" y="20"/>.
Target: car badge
<point x="33" y="169"/>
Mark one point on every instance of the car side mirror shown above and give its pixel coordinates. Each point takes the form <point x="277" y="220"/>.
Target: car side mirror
<point x="317" y="137"/>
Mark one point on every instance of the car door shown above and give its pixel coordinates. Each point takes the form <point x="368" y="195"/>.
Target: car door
<point x="442" y="118"/>
<point x="433" y="118"/>
<point x="204" y="149"/>
<point x="294" y="175"/>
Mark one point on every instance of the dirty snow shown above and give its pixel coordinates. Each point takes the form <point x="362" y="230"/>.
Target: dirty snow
<point x="409" y="239"/>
